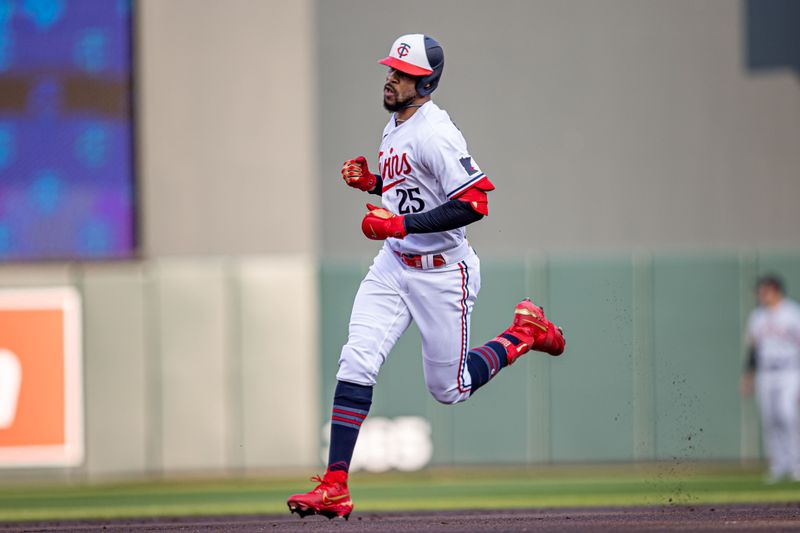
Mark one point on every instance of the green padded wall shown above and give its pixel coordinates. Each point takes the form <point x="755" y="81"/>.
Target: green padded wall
<point x="697" y="356"/>
<point x="591" y="386"/>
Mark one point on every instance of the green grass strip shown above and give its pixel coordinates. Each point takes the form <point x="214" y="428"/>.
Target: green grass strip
<point x="457" y="489"/>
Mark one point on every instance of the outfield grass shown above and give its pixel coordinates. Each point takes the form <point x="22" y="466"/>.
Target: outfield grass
<point x="434" y="489"/>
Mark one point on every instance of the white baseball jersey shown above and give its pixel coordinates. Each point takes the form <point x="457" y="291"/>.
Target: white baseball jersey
<point x="424" y="162"/>
<point x="775" y="333"/>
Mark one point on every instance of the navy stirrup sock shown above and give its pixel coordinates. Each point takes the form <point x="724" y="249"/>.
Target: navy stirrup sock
<point x="484" y="362"/>
<point x="351" y="404"/>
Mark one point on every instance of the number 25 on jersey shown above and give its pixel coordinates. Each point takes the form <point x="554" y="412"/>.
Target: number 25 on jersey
<point x="410" y="201"/>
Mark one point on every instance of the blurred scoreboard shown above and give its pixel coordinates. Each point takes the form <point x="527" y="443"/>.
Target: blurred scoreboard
<point x="66" y="143"/>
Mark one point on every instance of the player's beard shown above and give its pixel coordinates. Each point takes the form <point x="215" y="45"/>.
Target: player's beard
<point x="398" y="104"/>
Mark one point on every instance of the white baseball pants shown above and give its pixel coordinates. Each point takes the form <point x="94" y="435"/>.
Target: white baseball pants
<point x="439" y="300"/>
<point x="778" y="397"/>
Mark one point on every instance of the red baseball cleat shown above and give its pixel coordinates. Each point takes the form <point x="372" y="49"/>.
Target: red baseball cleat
<point x="534" y="331"/>
<point x="330" y="498"/>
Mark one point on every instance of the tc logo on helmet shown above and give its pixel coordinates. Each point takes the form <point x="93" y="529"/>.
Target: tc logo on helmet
<point x="403" y="49"/>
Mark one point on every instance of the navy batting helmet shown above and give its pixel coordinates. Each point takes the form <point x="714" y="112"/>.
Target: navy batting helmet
<point x="417" y="55"/>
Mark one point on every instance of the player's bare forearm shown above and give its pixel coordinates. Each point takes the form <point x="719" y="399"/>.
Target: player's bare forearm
<point x="747" y="384"/>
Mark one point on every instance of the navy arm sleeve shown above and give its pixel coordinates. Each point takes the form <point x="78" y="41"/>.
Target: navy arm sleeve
<point x="378" y="189"/>
<point x="750" y="364"/>
<point x="450" y="215"/>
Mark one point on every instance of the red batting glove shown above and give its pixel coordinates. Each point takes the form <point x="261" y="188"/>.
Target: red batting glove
<point x="356" y="174"/>
<point x="380" y="224"/>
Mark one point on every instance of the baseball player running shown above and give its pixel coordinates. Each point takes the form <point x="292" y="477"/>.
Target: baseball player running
<point x="430" y="189"/>
<point x="773" y="336"/>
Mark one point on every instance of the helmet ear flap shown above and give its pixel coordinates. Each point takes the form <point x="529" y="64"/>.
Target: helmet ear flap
<point x="425" y="87"/>
<point x="427" y="84"/>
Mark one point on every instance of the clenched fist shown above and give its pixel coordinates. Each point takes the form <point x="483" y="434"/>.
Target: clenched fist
<point x="356" y="174"/>
<point x="380" y="224"/>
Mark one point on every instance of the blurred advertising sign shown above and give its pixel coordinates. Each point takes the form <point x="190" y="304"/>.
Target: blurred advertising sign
<point x="41" y="393"/>
<point x="403" y="443"/>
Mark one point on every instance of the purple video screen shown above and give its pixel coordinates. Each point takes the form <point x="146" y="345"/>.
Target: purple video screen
<point x="66" y="138"/>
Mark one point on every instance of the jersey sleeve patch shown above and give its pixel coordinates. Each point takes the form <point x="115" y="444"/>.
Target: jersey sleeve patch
<point x="469" y="166"/>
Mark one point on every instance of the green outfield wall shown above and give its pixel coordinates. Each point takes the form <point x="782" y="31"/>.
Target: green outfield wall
<point x="651" y="370"/>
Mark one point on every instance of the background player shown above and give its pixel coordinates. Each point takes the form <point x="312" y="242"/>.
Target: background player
<point x="430" y="189"/>
<point x="773" y="338"/>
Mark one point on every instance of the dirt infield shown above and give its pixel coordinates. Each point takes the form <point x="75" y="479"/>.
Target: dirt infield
<point x="773" y="517"/>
